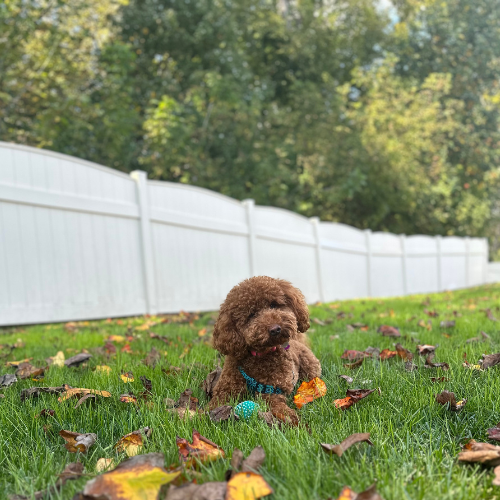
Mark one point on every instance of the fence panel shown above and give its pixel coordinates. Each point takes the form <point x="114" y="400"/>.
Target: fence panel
<point x="78" y="240"/>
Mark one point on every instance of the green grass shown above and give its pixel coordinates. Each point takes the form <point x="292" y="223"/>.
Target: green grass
<point x="416" y="441"/>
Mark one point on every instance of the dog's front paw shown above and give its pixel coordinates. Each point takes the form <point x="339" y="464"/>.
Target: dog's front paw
<point x="285" y="414"/>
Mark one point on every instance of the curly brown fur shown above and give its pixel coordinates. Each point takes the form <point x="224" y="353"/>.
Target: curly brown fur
<point x="259" y="314"/>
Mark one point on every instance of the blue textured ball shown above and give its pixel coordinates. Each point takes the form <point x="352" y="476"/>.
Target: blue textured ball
<point x="246" y="409"/>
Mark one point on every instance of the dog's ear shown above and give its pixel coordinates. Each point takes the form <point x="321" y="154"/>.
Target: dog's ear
<point x="226" y="338"/>
<point x="297" y="302"/>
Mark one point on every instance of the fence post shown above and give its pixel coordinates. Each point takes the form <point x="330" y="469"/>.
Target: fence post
<point x="467" y="261"/>
<point x="250" y="209"/>
<point x="141" y="179"/>
<point x="402" y="239"/>
<point x="439" y="263"/>
<point x="319" y="265"/>
<point x="368" y="237"/>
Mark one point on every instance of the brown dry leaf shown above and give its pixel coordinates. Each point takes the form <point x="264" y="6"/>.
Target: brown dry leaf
<point x="447" y="324"/>
<point x="77" y="360"/>
<point x="490" y="360"/>
<point x="46" y="412"/>
<point x="222" y="413"/>
<point x="490" y="315"/>
<point x="483" y="453"/>
<point x="147" y="384"/>
<point x="138" y="478"/>
<point x="153" y="357"/>
<point x="369" y="494"/>
<point x="423" y="324"/>
<point x="133" y="442"/>
<point x="494" y="433"/>
<point x="200" y="450"/>
<point x="354" y="365"/>
<point x="34" y="392"/>
<point x="247" y="486"/>
<point x="211" y="380"/>
<point x="339" y="449"/>
<point x="423" y="350"/>
<point x="389" y="331"/>
<point x="192" y="491"/>
<point x="173" y="370"/>
<point x="358" y="326"/>
<point x="430" y="364"/>
<point x="439" y="379"/>
<point x="270" y="419"/>
<point x="309" y="391"/>
<point x="104" y="465"/>
<point x="70" y="392"/>
<point x="431" y="314"/>
<point x="403" y="353"/>
<point x="26" y="370"/>
<point x="76" y="442"/>
<point x="57" y="360"/>
<point x="318" y="322"/>
<point x="448" y="398"/>
<point x="348" y="379"/>
<point x="255" y="460"/>
<point x="128" y="398"/>
<point x="354" y="355"/>
<point x="15" y="364"/>
<point x="387" y="354"/>
<point x="410" y="366"/>
<point x="87" y="397"/>
<point x="374" y="352"/>
<point x="187" y="401"/>
<point x="352" y="397"/>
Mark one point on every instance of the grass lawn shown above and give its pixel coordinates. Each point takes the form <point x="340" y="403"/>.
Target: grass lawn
<point x="416" y="440"/>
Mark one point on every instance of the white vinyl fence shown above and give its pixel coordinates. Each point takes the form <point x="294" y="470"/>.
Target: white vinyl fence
<point x="81" y="241"/>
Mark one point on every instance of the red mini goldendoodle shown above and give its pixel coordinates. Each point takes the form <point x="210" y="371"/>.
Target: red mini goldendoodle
<point x="260" y="329"/>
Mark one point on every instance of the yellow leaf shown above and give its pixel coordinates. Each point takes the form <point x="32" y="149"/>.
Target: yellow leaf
<point x="69" y="393"/>
<point x="347" y="494"/>
<point x="103" y="368"/>
<point x="15" y="364"/>
<point x="202" y="332"/>
<point x="116" y="338"/>
<point x="104" y="464"/>
<point x="127" y="377"/>
<point x="139" y="478"/>
<point x="309" y="391"/>
<point x="202" y="450"/>
<point x="133" y="442"/>
<point x="58" y="359"/>
<point x="247" y="486"/>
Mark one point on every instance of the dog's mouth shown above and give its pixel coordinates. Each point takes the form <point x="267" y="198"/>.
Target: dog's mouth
<point x="284" y="346"/>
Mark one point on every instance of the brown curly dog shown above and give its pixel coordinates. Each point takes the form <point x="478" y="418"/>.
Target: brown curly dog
<point x="260" y="329"/>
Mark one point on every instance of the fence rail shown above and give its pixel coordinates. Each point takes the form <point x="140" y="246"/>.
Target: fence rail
<point x="79" y="240"/>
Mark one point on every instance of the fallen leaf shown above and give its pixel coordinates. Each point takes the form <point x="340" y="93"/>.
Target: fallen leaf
<point x="347" y="494"/>
<point x="309" y="391"/>
<point x="423" y="324"/>
<point x="126" y="348"/>
<point x="432" y="314"/>
<point x="353" y="355"/>
<point x="213" y="490"/>
<point x="103" y="369"/>
<point x="128" y="398"/>
<point x="146" y="383"/>
<point x="173" y="370"/>
<point x="165" y="339"/>
<point x="354" y="365"/>
<point x="374" y="352"/>
<point x="389" y="331"/>
<point x="57" y="360"/>
<point x="200" y="450"/>
<point x="222" y="413"/>
<point x="403" y="353"/>
<point x="247" y="486"/>
<point x="7" y="380"/>
<point x="369" y="494"/>
<point x="410" y="366"/>
<point x="494" y="433"/>
<point x="15" y="364"/>
<point x="448" y="398"/>
<point x="116" y="338"/>
<point x="104" y="465"/>
<point x="430" y="364"/>
<point x="318" y="322"/>
<point x="352" y="397"/>
<point x="76" y="442"/>
<point x="270" y="419"/>
<point x="255" y="460"/>
<point x="423" y="350"/>
<point x="483" y="453"/>
<point x="153" y="357"/>
<point x="127" y="377"/>
<point x="490" y="315"/>
<point x="133" y="442"/>
<point x="69" y="392"/>
<point x="77" y="360"/>
<point x="348" y="379"/>
<point x="86" y="397"/>
<point x="490" y="360"/>
<point x="210" y="382"/>
<point x="439" y="379"/>
<point x="138" y="478"/>
<point x="46" y="412"/>
<point x="187" y="401"/>
<point x="387" y="354"/>
<point x="34" y="392"/>
<point x="26" y="370"/>
<point x="339" y="449"/>
<point x="447" y="324"/>
<point x="359" y="326"/>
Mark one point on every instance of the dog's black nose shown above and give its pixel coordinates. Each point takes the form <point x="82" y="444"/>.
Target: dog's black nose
<point x="275" y="330"/>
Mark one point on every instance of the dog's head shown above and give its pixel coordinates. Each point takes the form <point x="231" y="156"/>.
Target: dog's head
<point x="259" y="314"/>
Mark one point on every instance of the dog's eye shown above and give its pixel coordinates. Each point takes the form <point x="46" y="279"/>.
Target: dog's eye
<point x="274" y="305"/>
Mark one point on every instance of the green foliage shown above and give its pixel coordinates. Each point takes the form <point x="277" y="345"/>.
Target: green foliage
<point x="321" y="107"/>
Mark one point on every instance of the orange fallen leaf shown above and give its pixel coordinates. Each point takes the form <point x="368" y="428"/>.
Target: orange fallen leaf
<point x="133" y="442"/>
<point x="309" y="391"/>
<point x="202" y="332"/>
<point x="387" y="353"/>
<point x="247" y="486"/>
<point x="347" y="494"/>
<point x="352" y="397"/>
<point x="138" y="478"/>
<point x="127" y="377"/>
<point x="128" y="398"/>
<point x="389" y="331"/>
<point x="126" y="348"/>
<point x="70" y="392"/>
<point x="76" y="442"/>
<point x="116" y="338"/>
<point x="201" y="450"/>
